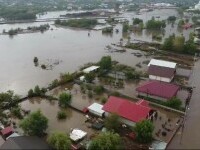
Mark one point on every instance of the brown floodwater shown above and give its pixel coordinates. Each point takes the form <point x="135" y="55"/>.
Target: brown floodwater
<point x="49" y="109"/>
<point x="71" y="47"/>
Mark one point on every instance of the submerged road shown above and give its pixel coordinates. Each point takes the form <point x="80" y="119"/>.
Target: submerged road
<point x="190" y="138"/>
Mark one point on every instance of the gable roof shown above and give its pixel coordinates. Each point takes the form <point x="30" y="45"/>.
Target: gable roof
<point x="127" y="109"/>
<point x="162" y="63"/>
<point x="7" y="130"/>
<point x="161" y="71"/>
<point x="160" y="89"/>
<point x="25" y="142"/>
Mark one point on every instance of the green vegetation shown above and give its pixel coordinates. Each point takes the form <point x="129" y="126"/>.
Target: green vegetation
<point x="78" y="23"/>
<point x="107" y="30"/>
<point x="144" y="131"/>
<point x="90" y="95"/>
<point x="65" y="99"/>
<point x="174" y="103"/>
<point x="125" y="27"/>
<point x="105" y="63"/>
<point x="89" y="77"/>
<point x="171" y="19"/>
<point x="177" y="44"/>
<point x="59" y="141"/>
<point x="61" y="115"/>
<point x="103" y="100"/>
<point x="137" y="21"/>
<point x="35" y="124"/>
<point x="8" y="99"/>
<point x="155" y="24"/>
<point x="16" y="112"/>
<point x="181" y="22"/>
<point x="106" y="141"/>
<point x="112" y="123"/>
<point x="37" y="91"/>
<point x="40" y="28"/>
<point x="99" y="89"/>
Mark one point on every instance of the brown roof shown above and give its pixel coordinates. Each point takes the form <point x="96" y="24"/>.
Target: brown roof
<point x="161" y="71"/>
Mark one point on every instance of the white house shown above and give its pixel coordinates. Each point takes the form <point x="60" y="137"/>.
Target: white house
<point x="96" y="109"/>
<point x="161" y="70"/>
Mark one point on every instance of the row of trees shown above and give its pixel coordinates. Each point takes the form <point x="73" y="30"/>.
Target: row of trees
<point x="78" y="23"/>
<point x="155" y="24"/>
<point x="178" y="44"/>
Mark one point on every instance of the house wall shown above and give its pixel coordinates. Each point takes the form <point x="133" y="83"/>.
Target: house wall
<point x="152" y="77"/>
<point x="123" y="120"/>
<point x="152" y="96"/>
<point x="95" y="113"/>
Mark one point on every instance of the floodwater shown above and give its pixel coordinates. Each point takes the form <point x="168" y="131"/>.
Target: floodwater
<point x="49" y="109"/>
<point x="70" y="47"/>
<point x="189" y="139"/>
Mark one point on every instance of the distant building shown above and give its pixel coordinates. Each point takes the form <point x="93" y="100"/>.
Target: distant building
<point x="130" y="113"/>
<point x="161" y="70"/>
<point x="197" y="6"/>
<point x="158" y="90"/>
<point x="24" y="143"/>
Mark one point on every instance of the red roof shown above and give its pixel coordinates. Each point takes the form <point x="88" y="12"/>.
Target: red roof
<point x="127" y="109"/>
<point x="160" y="89"/>
<point x="6" y="131"/>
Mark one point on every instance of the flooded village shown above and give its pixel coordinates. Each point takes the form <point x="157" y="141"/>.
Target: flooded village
<point x="101" y="79"/>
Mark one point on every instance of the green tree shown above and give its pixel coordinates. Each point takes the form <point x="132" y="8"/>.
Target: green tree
<point x="65" y="99"/>
<point x="35" y="124"/>
<point x="89" y="77"/>
<point x="106" y="141"/>
<point x="37" y="90"/>
<point x="59" y="141"/>
<point x="178" y="43"/>
<point x="30" y="93"/>
<point x="125" y="27"/>
<point x="181" y="23"/>
<point x="112" y="122"/>
<point x="190" y="47"/>
<point x="137" y="21"/>
<point x="61" y="115"/>
<point x="144" y="130"/>
<point x="106" y="63"/>
<point x="168" y="43"/>
<point x="174" y="103"/>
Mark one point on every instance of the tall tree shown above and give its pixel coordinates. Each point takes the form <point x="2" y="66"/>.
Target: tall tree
<point x="106" y="141"/>
<point x="65" y="99"/>
<point x="59" y="141"/>
<point x="35" y="124"/>
<point x="106" y="62"/>
<point x="112" y="122"/>
<point x="144" y="130"/>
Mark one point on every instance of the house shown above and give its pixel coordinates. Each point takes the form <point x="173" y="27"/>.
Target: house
<point x="158" y="90"/>
<point x="161" y="70"/>
<point x="130" y="113"/>
<point x="96" y="109"/>
<point x="25" y="142"/>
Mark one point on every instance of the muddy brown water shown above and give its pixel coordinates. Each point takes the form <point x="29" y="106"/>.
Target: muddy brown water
<point x="72" y="46"/>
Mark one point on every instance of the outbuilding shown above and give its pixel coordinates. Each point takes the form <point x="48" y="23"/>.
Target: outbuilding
<point x="161" y="70"/>
<point x="91" y="69"/>
<point x="96" y="109"/>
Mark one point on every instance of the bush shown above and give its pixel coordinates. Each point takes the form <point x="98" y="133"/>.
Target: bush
<point x="30" y="93"/>
<point x="61" y="115"/>
<point x="89" y="77"/>
<point x="16" y="111"/>
<point x="65" y="99"/>
<point x="99" y="89"/>
<point x="174" y="103"/>
<point x="115" y="93"/>
<point x="90" y="95"/>
<point x="103" y="100"/>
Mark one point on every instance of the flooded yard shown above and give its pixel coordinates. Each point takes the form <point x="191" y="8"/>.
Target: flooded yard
<point x="74" y="118"/>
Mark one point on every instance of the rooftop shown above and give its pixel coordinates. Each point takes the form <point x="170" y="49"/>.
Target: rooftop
<point x="127" y="109"/>
<point x="160" y="89"/>
<point x="91" y="68"/>
<point x="7" y="130"/>
<point x="96" y="107"/>
<point x="161" y="71"/>
<point x="25" y="142"/>
<point x="162" y="63"/>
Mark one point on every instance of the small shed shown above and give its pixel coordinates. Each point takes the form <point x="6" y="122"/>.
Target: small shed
<point x="77" y="135"/>
<point x="96" y="109"/>
<point x="7" y="131"/>
<point x="90" y="69"/>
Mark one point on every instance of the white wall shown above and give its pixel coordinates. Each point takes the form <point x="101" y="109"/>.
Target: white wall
<point x="152" y="77"/>
<point x="152" y="96"/>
